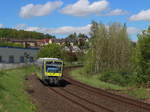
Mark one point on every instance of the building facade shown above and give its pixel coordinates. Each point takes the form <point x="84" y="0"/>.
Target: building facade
<point x="17" y="55"/>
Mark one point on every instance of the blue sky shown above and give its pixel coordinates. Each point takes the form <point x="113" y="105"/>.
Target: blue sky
<point x="62" y="17"/>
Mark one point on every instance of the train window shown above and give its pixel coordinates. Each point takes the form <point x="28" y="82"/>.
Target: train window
<point x="22" y="59"/>
<point x="11" y="59"/>
<point x="53" y="69"/>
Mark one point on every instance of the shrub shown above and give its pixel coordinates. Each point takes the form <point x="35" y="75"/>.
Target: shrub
<point x="122" y="79"/>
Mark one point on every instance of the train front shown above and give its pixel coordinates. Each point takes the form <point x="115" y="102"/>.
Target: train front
<point x="54" y="71"/>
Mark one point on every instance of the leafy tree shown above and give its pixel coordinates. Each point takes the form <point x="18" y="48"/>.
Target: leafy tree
<point x="69" y="56"/>
<point x="72" y="36"/>
<point x="142" y="57"/>
<point x="80" y="35"/>
<point x="51" y="50"/>
<point x="111" y="49"/>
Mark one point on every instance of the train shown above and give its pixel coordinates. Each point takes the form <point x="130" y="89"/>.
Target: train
<point x="49" y="70"/>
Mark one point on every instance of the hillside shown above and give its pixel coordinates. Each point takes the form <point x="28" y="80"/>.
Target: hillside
<point x="21" y="34"/>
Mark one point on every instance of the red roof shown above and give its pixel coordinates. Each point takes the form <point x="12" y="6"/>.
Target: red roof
<point x="46" y="40"/>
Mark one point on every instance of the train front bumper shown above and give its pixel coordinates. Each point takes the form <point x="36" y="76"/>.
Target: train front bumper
<point x="53" y="74"/>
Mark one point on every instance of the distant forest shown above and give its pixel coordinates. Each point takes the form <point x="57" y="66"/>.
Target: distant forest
<point x="21" y="34"/>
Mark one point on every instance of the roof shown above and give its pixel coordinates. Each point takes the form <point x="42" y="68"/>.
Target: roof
<point x="47" y="59"/>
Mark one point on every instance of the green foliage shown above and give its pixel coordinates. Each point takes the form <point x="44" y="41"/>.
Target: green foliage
<point x="140" y="93"/>
<point x="69" y="56"/>
<point x="142" y="57"/>
<point x="21" y="34"/>
<point x="111" y="49"/>
<point x="123" y="79"/>
<point x="72" y="36"/>
<point x="51" y="51"/>
<point x="93" y="80"/>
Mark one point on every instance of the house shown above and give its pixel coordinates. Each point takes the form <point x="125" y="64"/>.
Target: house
<point x="45" y="41"/>
<point x="25" y="42"/>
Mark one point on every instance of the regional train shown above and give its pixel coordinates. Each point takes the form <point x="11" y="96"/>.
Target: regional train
<point x="49" y="70"/>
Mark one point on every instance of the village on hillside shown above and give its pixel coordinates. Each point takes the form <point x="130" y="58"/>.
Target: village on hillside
<point x="14" y="50"/>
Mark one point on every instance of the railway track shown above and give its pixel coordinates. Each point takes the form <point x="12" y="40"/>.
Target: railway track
<point x="75" y="91"/>
<point x="64" y="93"/>
<point x="144" y="107"/>
<point x="69" y="99"/>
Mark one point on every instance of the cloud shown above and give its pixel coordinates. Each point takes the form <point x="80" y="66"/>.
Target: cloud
<point x="133" y="30"/>
<point x="84" y="8"/>
<point x="38" y="29"/>
<point x="20" y="26"/>
<point x="32" y="10"/>
<point x="117" y="12"/>
<point x="143" y="15"/>
<point x="1" y="25"/>
<point x="69" y="30"/>
<point x="66" y="30"/>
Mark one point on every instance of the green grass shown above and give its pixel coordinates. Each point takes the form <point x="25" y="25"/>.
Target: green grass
<point x="13" y="97"/>
<point x="94" y="80"/>
<point x="139" y="93"/>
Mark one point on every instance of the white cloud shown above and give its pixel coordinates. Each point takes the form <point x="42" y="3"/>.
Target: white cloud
<point x="20" y="26"/>
<point x="133" y="30"/>
<point x="84" y="8"/>
<point x="69" y="29"/>
<point x="38" y="29"/>
<point x="1" y="25"/>
<point x="32" y="10"/>
<point x="143" y="15"/>
<point x="66" y="30"/>
<point x="117" y="12"/>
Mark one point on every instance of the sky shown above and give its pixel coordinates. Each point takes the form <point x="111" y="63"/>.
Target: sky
<point x="63" y="17"/>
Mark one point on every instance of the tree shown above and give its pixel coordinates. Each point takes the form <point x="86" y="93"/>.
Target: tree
<point x="111" y="49"/>
<point x="72" y="36"/>
<point x="142" y="56"/>
<point x="80" y="35"/>
<point x="51" y="51"/>
<point x="69" y="56"/>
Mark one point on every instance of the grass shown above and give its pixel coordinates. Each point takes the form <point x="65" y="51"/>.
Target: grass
<point x="13" y="97"/>
<point x="139" y="93"/>
<point x="94" y="80"/>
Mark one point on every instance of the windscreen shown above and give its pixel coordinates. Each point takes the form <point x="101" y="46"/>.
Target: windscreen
<point x="53" y="67"/>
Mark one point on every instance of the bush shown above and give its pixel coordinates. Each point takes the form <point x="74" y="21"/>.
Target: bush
<point x="122" y="79"/>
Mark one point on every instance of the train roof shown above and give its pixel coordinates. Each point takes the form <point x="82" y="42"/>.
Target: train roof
<point x="47" y="59"/>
